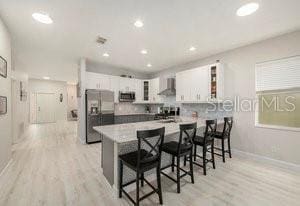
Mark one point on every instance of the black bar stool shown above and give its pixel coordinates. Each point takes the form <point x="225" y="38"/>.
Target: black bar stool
<point x="225" y="134"/>
<point x="181" y="149"/>
<point x="143" y="160"/>
<point x="205" y="142"/>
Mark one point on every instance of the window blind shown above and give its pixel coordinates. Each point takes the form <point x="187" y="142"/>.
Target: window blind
<point x="278" y="74"/>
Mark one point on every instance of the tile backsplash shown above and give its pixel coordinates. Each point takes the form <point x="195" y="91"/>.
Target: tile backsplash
<point x="202" y="109"/>
<point x="130" y="108"/>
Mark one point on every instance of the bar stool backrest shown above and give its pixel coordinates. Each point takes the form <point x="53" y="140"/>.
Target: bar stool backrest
<point x="228" y="122"/>
<point x="152" y="141"/>
<point x="210" y="129"/>
<point x="187" y="135"/>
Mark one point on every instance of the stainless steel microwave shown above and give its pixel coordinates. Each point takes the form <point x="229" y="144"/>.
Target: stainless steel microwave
<point x="127" y="96"/>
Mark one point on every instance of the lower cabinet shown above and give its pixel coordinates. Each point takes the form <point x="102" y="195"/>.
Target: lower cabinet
<point x="123" y="119"/>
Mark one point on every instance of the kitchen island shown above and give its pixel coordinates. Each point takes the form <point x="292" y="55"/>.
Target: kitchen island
<point x="121" y="138"/>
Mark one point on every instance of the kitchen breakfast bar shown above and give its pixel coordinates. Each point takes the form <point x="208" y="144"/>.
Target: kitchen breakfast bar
<point x="121" y="138"/>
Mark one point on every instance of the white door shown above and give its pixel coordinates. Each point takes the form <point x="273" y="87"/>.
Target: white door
<point x="45" y="107"/>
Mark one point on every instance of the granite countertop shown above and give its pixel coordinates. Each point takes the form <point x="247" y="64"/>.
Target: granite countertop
<point x="138" y="113"/>
<point x="122" y="133"/>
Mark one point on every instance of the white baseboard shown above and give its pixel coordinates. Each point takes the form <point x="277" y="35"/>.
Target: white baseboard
<point x="6" y="167"/>
<point x="279" y="163"/>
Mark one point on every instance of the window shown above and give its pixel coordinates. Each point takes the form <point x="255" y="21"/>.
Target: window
<point x="278" y="93"/>
<point x="279" y="108"/>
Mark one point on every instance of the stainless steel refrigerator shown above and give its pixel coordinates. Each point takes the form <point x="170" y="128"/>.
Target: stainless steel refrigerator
<point x="99" y="111"/>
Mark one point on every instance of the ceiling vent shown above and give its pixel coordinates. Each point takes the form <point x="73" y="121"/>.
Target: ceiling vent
<point x="101" y="40"/>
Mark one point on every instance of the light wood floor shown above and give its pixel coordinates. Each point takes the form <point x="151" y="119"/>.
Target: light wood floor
<point x="50" y="167"/>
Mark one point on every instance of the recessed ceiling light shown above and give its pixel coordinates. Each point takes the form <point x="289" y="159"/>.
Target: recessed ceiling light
<point x="105" y="55"/>
<point x="46" y="78"/>
<point x="247" y="9"/>
<point x="149" y="65"/>
<point x="144" y="51"/>
<point x="42" y="18"/>
<point x="192" y="48"/>
<point x="138" y="23"/>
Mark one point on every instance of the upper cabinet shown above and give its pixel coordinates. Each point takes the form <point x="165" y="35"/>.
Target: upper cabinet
<point x="138" y="90"/>
<point x="115" y="87"/>
<point x="146" y="91"/>
<point x="97" y="81"/>
<point x="127" y="84"/>
<point x="149" y="91"/>
<point x="154" y="90"/>
<point x="201" y="84"/>
<point x="183" y="91"/>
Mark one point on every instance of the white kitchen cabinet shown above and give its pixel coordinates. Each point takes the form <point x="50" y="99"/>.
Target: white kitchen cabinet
<point x="138" y="90"/>
<point x="154" y="90"/>
<point x="201" y="84"/>
<point x="183" y="90"/>
<point x="115" y="87"/>
<point x="127" y="84"/>
<point x="97" y="81"/>
<point x="146" y="90"/>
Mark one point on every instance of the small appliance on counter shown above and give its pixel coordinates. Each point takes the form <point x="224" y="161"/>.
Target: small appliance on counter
<point x="147" y="109"/>
<point x="167" y="112"/>
<point x="195" y="114"/>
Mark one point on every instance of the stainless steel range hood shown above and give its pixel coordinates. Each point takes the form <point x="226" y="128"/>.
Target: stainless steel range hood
<point x="170" y="90"/>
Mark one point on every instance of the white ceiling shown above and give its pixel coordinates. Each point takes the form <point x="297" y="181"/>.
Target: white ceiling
<point x="170" y="28"/>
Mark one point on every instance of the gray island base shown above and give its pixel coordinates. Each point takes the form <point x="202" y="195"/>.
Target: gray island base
<point x="121" y="138"/>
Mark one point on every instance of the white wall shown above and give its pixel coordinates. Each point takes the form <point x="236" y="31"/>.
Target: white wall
<point x="5" y="90"/>
<point x="240" y="81"/>
<point x="20" y="109"/>
<point x="56" y="87"/>
<point x="81" y="101"/>
<point x="40" y="63"/>
<point x="72" y="99"/>
<point x="113" y="70"/>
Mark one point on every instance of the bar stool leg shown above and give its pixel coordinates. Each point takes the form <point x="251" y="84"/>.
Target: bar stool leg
<point x="191" y="166"/>
<point x="159" y="185"/>
<point x="142" y="179"/>
<point x="120" y="179"/>
<point x="178" y="174"/>
<point x="213" y="155"/>
<point x="204" y="159"/>
<point x="195" y="152"/>
<point x="173" y="162"/>
<point x="223" y="150"/>
<point x="229" y="148"/>
<point x="184" y="161"/>
<point x="137" y="189"/>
